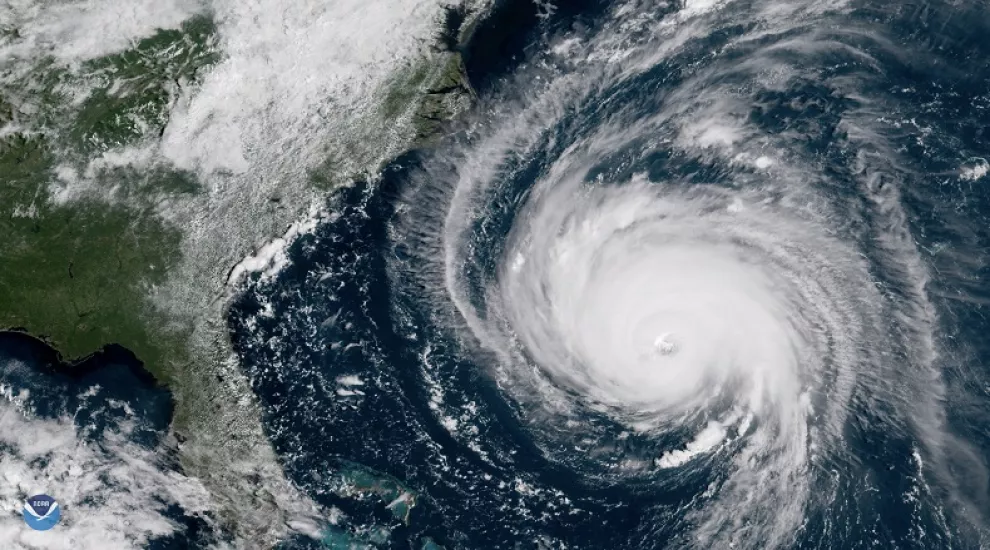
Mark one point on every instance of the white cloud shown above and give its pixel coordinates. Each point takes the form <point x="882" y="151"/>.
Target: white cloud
<point x="113" y="492"/>
<point x="76" y="31"/>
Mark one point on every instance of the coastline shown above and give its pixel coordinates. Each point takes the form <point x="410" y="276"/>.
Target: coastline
<point x="79" y="367"/>
<point x="216" y="421"/>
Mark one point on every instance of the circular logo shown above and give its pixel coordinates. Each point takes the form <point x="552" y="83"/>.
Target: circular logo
<point x="41" y="512"/>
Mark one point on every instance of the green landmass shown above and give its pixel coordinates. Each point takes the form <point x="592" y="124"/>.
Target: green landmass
<point x="408" y="84"/>
<point x="78" y="272"/>
<point x="429" y="92"/>
<point x="434" y="93"/>
<point x="447" y="94"/>
<point x="134" y="89"/>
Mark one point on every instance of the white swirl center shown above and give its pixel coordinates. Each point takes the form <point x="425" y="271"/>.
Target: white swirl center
<point x="646" y="301"/>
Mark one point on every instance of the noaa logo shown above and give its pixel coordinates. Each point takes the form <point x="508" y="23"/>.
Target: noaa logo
<point x="41" y="512"/>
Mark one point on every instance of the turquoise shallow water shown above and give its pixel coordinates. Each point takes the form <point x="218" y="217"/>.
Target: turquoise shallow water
<point x="691" y="275"/>
<point x="399" y="338"/>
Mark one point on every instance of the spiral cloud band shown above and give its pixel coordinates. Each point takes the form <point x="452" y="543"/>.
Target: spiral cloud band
<point x="671" y="294"/>
<point x="657" y="300"/>
<point x="687" y="307"/>
<point x="723" y="326"/>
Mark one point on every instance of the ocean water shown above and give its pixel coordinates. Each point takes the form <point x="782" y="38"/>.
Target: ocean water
<point x="703" y="274"/>
<point x="94" y="434"/>
<point x="693" y="275"/>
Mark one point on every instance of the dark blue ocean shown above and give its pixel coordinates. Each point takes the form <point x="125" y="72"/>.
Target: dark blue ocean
<point x="884" y="104"/>
<point x="443" y="328"/>
<point x="95" y="430"/>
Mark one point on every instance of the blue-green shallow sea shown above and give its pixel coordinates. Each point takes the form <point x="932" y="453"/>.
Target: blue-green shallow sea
<point x="372" y="351"/>
<point x="357" y="358"/>
<point x="347" y="347"/>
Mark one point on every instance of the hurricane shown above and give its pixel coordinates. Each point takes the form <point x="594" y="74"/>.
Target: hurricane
<point x="676" y="282"/>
